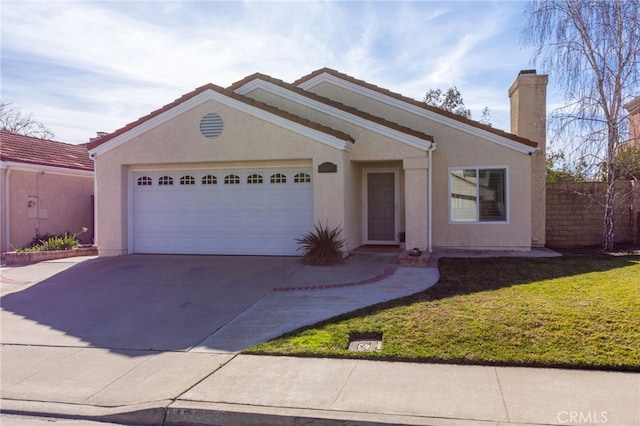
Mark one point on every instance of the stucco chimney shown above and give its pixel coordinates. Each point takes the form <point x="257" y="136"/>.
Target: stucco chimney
<point x="528" y="95"/>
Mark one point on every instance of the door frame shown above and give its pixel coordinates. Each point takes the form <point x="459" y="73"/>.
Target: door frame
<point x="365" y="205"/>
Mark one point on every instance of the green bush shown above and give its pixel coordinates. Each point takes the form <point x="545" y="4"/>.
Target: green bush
<point x="321" y="246"/>
<point x="65" y="242"/>
<point x="51" y="243"/>
<point x="36" y="242"/>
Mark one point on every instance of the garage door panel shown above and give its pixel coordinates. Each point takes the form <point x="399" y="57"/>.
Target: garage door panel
<point x="242" y="218"/>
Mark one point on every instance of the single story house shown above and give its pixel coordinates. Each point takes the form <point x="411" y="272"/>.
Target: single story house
<point x="250" y="168"/>
<point x="47" y="188"/>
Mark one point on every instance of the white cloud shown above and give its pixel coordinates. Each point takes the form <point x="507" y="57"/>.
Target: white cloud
<point x="83" y="66"/>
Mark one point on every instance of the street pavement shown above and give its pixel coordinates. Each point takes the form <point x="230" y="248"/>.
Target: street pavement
<point x="169" y="368"/>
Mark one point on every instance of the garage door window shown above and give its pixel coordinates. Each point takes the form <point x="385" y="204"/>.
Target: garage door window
<point x="231" y="180"/>
<point x="209" y="180"/>
<point x="165" y="180"/>
<point x="302" y="178"/>
<point x="145" y="181"/>
<point x="254" y="178"/>
<point x="278" y="178"/>
<point x="187" y="180"/>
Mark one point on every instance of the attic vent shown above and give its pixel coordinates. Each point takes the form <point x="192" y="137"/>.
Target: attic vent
<point x="211" y="125"/>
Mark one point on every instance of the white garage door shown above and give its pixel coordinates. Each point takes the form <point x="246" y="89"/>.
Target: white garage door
<point x="239" y="211"/>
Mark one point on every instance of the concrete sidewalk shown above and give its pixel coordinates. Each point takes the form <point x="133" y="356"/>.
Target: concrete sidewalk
<point x="224" y="389"/>
<point x="202" y="386"/>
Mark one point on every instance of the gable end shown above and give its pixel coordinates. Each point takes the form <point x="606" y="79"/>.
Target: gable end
<point x="316" y="131"/>
<point x="316" y="102"/>
<point x="344" y="81"/>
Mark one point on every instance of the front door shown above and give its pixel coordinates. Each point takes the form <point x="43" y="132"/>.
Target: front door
<point x="381" y="208"/>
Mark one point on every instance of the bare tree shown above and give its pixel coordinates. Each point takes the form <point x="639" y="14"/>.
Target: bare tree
<point x="592" y="49"/>
<point x="15" y="121"/>
<point x="486" y="117"/>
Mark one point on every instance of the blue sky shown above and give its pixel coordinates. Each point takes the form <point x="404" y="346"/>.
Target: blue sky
<point x="87" y="66"/>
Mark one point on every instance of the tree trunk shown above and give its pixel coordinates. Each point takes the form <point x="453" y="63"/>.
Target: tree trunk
<point x="609" y="198"/>
<point x="608" y="234"/>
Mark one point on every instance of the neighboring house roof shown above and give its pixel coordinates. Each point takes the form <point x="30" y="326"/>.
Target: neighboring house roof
<point x="414" y="102"/>
<point x="231" y="94"/>
<point x="633" y="106"/>
<point x="258" y="76"/>
<point x="26" y="149"/>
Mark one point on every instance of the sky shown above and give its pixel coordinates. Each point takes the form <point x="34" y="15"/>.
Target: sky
<point x="85" y="66"/>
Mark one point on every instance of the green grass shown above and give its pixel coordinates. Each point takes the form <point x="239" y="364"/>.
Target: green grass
<point x="580" y="312"/>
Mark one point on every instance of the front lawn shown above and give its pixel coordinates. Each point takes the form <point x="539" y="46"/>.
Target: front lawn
<point x="579" y="312"/>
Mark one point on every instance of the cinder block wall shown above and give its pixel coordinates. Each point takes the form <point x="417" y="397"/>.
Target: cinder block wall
<point x="575" y="213"/>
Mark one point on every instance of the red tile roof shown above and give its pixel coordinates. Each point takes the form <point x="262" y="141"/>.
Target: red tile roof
<point x="423" y="105"/>
<point x="308" y="123"/>
<point x="332" y="103"/>
<point x="44" y="152"/>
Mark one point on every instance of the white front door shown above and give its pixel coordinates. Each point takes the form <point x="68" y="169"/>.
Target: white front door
<point x="230" y="211"/>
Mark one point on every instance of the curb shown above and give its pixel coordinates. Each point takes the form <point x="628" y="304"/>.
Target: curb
<point x="150" y="413"/>
<point x="188" y="413"/>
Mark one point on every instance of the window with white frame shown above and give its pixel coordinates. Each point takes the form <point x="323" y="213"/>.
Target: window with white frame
<point x="254" y="178"/>
<point x="187" y="180"/>
<point x="478" y="195"/>
<point x="232" y="180"/>
<point x="165" y="181"/>
<point x="278" y="178"/>
<point x="145" y="181"/>
<point x="302" y="178"/>
<point x="209" y="180"/>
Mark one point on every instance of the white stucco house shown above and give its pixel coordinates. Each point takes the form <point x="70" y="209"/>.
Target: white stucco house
<point x="249" y="168"/>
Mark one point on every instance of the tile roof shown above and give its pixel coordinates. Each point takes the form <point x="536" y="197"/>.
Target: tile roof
<point x="26" y="149"/>
<point x="308" y="123"/>
<point x="423" y="105"/>
<point x="332" y="103"/>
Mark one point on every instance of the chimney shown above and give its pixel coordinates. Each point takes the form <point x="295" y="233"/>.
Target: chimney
<point x="528" y="95"/>
<point x="98" y="136"/>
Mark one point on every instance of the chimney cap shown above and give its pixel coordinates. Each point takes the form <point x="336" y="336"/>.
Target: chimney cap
<point x="527" y="72"/>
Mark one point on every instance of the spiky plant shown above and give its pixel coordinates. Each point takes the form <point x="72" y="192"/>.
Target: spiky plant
<point x="321" y="246"/>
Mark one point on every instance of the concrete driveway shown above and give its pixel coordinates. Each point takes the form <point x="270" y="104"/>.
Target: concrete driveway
<point x="183" y="303"/>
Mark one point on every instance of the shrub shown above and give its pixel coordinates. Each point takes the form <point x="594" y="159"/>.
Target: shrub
<point x="66" y="242"/>
<point x="50" y="243"/>
<point x="38" y="239"/>
<point x="321" y="246"/>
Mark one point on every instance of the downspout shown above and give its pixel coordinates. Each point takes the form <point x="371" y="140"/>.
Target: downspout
<point x="430" y="198"/>
<point x="95" y="200"/>
<point x="7" y="210"/>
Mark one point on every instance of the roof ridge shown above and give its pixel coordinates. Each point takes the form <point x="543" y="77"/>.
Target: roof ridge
<point x="417" y="103"/>
<point x="339" y="105"/>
